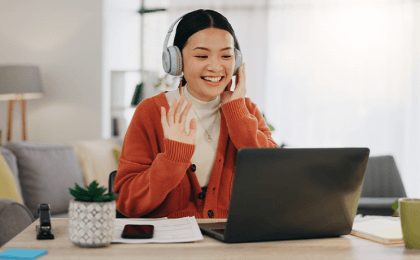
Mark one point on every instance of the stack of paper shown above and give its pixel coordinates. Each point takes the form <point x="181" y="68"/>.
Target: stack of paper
<point x="165" y="230"/>
<point x="380" y="230"/>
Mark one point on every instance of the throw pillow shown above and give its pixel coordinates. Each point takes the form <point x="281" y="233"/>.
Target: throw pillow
<point x="11" y="161"/>
<point x="96" y="159"/>
<point x="8" y="187"/>
<point x="46" y="172"/>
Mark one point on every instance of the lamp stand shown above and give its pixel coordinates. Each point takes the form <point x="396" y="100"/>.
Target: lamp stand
<point x="10" y="119"/>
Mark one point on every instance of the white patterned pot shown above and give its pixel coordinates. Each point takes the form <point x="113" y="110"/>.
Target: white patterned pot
<point x="91" y="224"/>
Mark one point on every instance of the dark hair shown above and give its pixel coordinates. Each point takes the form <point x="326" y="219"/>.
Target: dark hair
<point x="196" y="21"/>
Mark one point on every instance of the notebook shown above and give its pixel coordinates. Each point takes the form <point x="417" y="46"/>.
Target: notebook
<point x="22" y="253"/>
<point x="385" y="230"/>
<point x="293" y="193"/>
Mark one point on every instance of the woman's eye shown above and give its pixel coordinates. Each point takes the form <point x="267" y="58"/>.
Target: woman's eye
<point x="227" y="56"/>
<point x="202" y="57"/>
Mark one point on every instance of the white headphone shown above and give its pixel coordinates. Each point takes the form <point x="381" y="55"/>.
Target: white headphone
<point x="172" y="57"/>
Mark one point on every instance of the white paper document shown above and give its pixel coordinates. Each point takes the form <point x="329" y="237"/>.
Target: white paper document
<point x="380" y="227"/>
<point x="165" y="230"/>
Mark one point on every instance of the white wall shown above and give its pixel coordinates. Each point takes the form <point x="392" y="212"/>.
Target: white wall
<point x="345" y="74"/>
<point x="121" y="42"/>
<point x="64" y="38"/>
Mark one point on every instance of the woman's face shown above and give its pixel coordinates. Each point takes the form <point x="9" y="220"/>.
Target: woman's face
<point x="209" y="61"/>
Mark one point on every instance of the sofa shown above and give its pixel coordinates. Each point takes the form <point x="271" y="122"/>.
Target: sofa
<point x="43" y="173"/>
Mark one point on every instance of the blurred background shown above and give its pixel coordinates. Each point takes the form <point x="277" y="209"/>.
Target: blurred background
<point x="325" y="73"/>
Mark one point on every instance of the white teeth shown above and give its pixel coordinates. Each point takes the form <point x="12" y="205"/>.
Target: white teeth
<point x="212" y="79"/>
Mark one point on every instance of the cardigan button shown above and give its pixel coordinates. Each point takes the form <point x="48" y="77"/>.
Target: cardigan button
<point x="201" y="195"/>
<point x="210" y="213"/>
<point x="193" y="167"/>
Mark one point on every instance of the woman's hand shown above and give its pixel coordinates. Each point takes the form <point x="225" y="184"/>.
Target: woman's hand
<point x="240" y="89"/>
<point x="174" y="123"/>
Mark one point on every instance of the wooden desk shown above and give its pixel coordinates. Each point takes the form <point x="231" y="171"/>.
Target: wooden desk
<point x="346" y="247"/>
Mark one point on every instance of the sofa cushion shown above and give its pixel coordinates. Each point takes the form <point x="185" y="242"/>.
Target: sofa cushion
<point x="119" y="140"/>
<point x="10" y="158"/>
<point x="14" y="217"/>
<point x="96" y="159"/>
<point x="8" y="188"/>
<point x="46" y="172"/>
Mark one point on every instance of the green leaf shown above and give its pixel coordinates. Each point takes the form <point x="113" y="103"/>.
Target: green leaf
<point x="102" y="189"/>
<point x="106" y="197"/>
<point x="113" y="195"/>
<point x="98" y="199"/>
<point x="74" y="193"/>
<point x="92" y="186"/>
<point x="97" y="191"/>
<point x="79" y="189"/>
<point x="117" y="153"/>
<point x="395" y="205"/>
<point x="85" y="198"/>
<point x="79" y="196"/>
<point x="110" y="197"/>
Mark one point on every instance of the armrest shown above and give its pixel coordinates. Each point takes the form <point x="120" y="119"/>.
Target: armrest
<point x="14" y="217"/>
<point x="376" y="206"/>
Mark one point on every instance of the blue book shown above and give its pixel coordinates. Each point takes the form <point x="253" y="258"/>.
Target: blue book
<point x="20" y="253"/>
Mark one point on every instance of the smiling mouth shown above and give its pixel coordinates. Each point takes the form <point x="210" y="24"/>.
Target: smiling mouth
<point x="213" y="79"/>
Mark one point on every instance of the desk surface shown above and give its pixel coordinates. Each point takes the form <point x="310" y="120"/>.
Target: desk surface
<point x="345" y="247"/>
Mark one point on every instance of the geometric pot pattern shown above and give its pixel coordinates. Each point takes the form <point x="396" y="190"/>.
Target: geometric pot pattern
<point x="91" y="224"/>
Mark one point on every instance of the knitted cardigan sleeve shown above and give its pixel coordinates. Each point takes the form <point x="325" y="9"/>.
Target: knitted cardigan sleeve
<point x="150" y="166"/>
<point x="246" y="125"/>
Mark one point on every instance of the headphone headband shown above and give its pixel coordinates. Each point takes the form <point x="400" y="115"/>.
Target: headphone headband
<point x="165" y="44"/>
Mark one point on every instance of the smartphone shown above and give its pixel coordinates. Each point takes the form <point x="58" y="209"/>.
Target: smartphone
<point x="137" y="231"/>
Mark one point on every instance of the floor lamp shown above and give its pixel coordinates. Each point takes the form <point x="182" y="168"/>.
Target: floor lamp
<point x="19" y="83"/>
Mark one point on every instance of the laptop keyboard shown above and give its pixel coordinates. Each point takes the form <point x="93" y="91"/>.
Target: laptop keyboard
<point x="219" y="230"/>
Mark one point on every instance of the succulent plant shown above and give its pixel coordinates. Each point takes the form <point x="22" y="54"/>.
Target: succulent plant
<point x="92" y="194"/>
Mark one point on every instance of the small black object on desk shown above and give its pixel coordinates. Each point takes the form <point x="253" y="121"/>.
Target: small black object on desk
<point x="44" y="231"/>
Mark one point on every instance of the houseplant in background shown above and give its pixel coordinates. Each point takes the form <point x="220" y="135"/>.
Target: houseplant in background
<point x="166" y="84"/>
<point x="91" y="216"/>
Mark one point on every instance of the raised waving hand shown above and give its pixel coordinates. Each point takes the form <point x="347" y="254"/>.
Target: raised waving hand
<point x="173" y="123"/>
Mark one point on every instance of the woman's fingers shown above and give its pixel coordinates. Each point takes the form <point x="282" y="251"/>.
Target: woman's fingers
<point x="243" y="77"/>
<point x="228" y="85"/>
<point x="163" y="120"/>
<point x="171" y="112"/>
<point x="185" y="113"/>
<point x="178" y="110"/>
<point x="240" y="77"/>
<point x="173" y="123"/>
<point x="162" y="115"/>
<point x="193" y="128"/>
<point x="240" y="88"/>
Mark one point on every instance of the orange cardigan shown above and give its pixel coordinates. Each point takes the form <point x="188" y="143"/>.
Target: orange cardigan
<point x="155" y="176"/>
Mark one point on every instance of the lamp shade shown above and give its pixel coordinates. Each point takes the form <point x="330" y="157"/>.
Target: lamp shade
<point x="20" y="82"/>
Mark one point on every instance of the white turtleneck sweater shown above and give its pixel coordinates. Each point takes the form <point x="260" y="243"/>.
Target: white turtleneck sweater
<point x="205" y="153"/>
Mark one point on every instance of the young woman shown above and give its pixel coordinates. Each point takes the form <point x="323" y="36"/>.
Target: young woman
<point x="178" y="158"/>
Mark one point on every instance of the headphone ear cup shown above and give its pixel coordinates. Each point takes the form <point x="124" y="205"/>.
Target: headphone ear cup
<point x="166" y="61"/>
<point x="238" y="61"/>
<point x="178" y="61"/>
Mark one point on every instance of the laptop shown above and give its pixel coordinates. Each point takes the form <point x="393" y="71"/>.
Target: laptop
<point x="292" y="193"/>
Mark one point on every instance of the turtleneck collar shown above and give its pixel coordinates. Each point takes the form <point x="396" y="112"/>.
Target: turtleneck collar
<point x="198" y="103"/>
